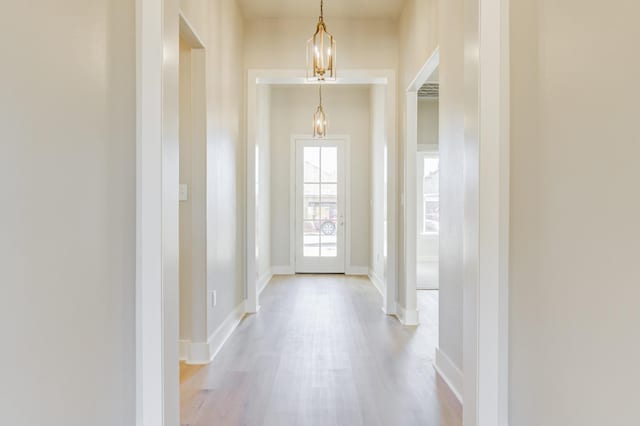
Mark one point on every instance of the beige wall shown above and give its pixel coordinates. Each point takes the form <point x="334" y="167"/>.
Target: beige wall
<point x="575" y="204"/>
<point x="193" y="211"/>
<point x="417" y="40"/>
<point x="281" y="43"/>
<point x="219" y="23"/>
<point x="67" y="251"/>
<point x="186" y="207"/>
<point x="428" y="122"/>
<point x="347" y="109"/>
<point x="418" y="32"/>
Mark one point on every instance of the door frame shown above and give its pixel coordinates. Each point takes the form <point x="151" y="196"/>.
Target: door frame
<point x="258" y="78"/>
<point x="486" y="216"/>
<point x="411" y="316"/>
<point x="157" y="227"/>
<point x="293" y="181"/>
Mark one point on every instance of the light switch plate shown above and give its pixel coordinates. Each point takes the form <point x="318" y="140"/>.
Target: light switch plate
<point x="183" y="192"/>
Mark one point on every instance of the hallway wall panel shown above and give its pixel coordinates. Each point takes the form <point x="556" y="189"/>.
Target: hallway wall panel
<point x="417" y="40"/>
<point x="575" y="204"/>
<point x="220" y="24"/>
<point x="67" y="221"/>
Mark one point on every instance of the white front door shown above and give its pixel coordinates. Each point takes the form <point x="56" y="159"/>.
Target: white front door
<point x="320" y="206"/>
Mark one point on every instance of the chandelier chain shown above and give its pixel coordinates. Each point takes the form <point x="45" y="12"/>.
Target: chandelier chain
<point x="322" y="8"/>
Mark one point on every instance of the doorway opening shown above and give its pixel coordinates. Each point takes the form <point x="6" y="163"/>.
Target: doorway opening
<point x="422" y="188"/>
<point x="428" y="192"/>
<point x="192" y="280"/>
<point x="321" y="205"/>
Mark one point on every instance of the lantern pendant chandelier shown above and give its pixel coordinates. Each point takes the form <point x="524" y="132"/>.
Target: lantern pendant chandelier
<point x="320" y="121"/>
<point x="321" y="52"/>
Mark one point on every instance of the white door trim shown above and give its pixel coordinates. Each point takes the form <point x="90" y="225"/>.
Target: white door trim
<point x="157" y="245"/>
<point x="486" y="228"/>
<point x="346" y="140"/>
<point x="386" y="78"/>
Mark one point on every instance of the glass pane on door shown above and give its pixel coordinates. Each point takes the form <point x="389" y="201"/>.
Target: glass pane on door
<point x="320" y="202"/>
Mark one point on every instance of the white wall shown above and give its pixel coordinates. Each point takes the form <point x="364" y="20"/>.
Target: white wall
<point x="575" y="204"/>
<point x="67" y="251"/>
<point x="347" y="109"/>
<point x="452" y="186"/>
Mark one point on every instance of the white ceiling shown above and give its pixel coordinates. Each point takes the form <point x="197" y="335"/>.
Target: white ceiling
<point x="311" y="8"/>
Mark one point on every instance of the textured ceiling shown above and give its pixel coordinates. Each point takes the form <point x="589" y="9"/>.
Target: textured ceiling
<point x="311" y="8"/>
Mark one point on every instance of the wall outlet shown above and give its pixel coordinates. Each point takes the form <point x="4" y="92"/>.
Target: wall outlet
<point x="213" y="297"/>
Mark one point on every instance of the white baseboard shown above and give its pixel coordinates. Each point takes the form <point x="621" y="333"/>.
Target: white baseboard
<point x="248" y="308"/>
<point x="392" y="311"/>
<point x="283" y="270"/>
<point x="380" y="285"/>
<point x="264" y="280"/>
<point x="377" y="282"/>
<point x="357" y="270"/>
<point x="204" y="353"/>
<point x="449" y="373"/>
<point x="291" y="270"/>
<point x="408" y="317"/>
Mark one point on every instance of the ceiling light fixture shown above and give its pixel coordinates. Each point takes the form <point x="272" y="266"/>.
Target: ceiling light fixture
<point x="320" y="120"/>
<point x="321" y="52"/>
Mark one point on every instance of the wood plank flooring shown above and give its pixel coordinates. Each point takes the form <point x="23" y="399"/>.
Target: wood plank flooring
<point x="321" y="352"/>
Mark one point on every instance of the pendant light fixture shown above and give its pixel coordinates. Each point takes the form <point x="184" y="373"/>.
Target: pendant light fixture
<point x="320" y="120"/>
<point x="321" y="52"/>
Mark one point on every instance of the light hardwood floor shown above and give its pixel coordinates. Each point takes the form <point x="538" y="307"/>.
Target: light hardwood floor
<point x="321" y="352"/>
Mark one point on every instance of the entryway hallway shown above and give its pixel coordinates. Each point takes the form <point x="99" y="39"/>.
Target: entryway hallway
<point x="321" y="352"/>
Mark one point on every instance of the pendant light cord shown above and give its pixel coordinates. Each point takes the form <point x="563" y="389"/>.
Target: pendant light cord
<point x="322" y="8"/>
<point x="320" y="86"/>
